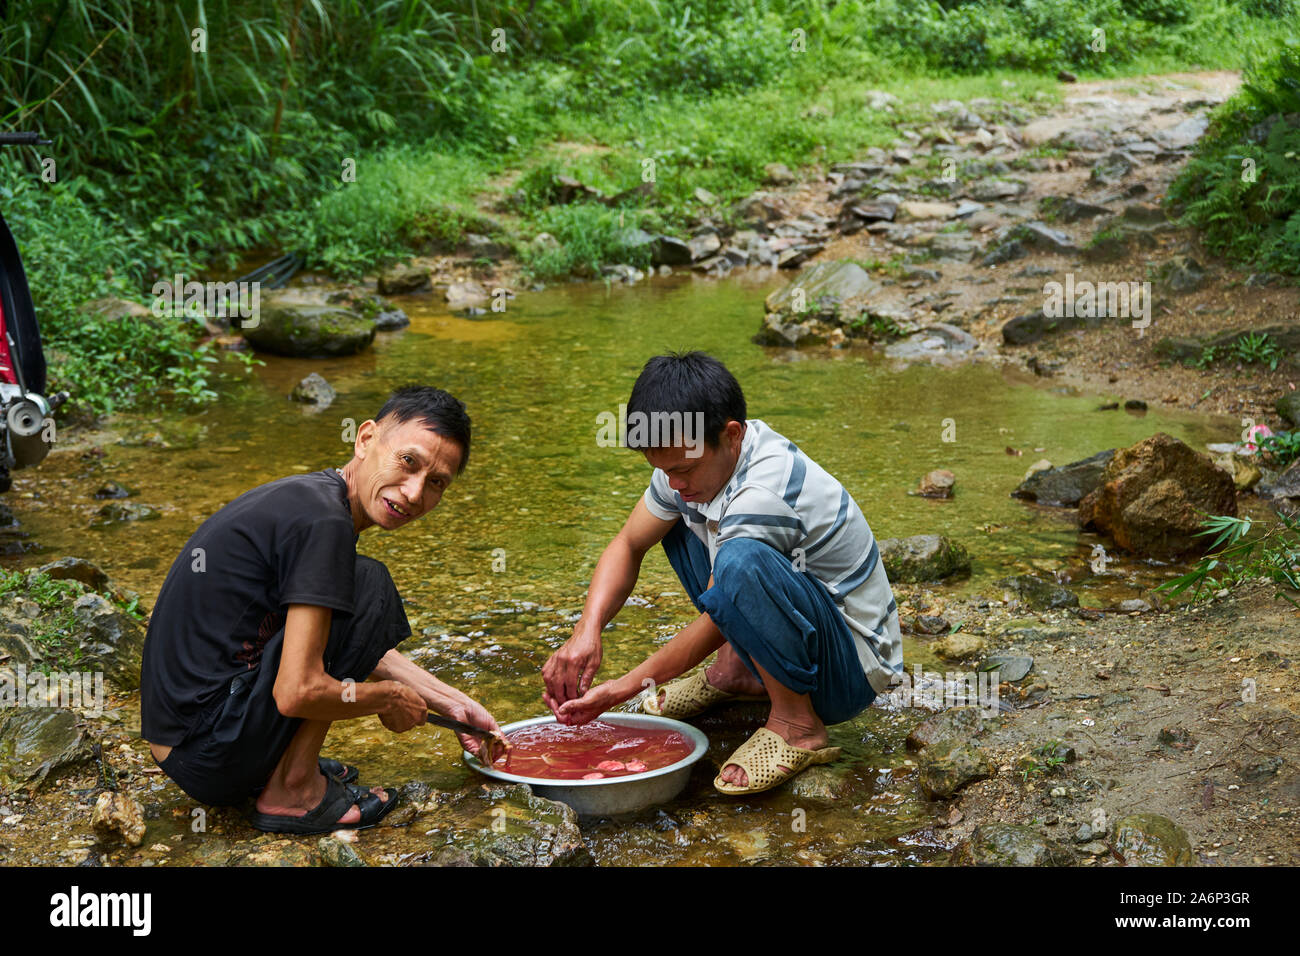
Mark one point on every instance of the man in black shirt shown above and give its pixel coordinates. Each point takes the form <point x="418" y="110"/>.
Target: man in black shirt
<point x="269" y="625"/>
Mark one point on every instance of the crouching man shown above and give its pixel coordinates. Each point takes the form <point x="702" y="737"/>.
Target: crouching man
<point x="775" y="555"/>
<point x="269" y="626"/>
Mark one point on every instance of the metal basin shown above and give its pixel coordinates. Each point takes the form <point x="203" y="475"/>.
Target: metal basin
<point x="611" y="795"/>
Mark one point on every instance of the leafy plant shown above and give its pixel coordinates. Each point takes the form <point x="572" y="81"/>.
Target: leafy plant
<point x="1283" y="447"/>
<point x="1233" y="558"/>
<point x="1257" y="347"/>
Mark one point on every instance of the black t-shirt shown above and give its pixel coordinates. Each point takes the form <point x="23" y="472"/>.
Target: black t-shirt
<point x="290" y="541"/>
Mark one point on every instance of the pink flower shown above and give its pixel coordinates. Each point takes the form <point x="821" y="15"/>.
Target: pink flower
<point x="1253" y="433"/>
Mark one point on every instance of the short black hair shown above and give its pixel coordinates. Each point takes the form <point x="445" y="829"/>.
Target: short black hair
<point x="687" y="383"/>
<point x="442" y="412"/>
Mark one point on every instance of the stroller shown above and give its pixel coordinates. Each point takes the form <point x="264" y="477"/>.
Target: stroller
<point x="26" y="428"/>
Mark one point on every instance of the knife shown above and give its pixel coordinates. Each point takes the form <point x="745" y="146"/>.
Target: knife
<point x="491" y="739"/>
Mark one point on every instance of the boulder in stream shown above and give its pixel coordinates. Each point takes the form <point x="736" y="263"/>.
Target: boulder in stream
<point x="1010" y="844"/>
<point x="1153" y="498"/>
<point x="1065" y="486"/>
<point x="923" y="557"/>
<point x="303" y="329"/>
<point x="496" y="825"/>
<point x="949" y="765"/>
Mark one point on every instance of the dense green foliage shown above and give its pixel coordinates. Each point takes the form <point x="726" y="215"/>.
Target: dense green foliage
<point x="189" y="133"/>
<point x="1243" y="186"/>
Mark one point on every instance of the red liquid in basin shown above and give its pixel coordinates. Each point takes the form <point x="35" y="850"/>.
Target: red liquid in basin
<point x="592" y="751"/>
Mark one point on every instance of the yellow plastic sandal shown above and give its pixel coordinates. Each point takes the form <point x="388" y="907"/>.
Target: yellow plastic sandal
<point x="687" y="697"/>
<point x="763" y="755"/>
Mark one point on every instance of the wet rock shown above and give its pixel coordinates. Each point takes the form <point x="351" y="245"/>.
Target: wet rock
<point x="112" y="489"/>
<point x="704" y="246"/>
<point x="1182" y="274"/>
<point x="1113" y="167"/>
<point x="466" y="294"/>
<point x="313" y="390"/>
<point x="823" y="784"/>
<point x="127" y="511"/>
<point x="391" y="320"/>
<point x="526" y="830"/>
<point x="276" y="853"/>
<point x="839" y="281"/>
<point x="111" y="639"/>
<point x="404" y="280"/>
<point x="937" y="484"/>
<point x="1148" y="839"/>
<point x="1065" y="486"/>
<point x="308" y="330"/>
<point x="947" y="766"/>
<point x="1288" y="406"/>
<point x="955" y="723"/>
<point x="1039" y="592"/>
<point x="334" y="852"/>
<point x="1009" y="667"/>
<point x="669" y="251"/>
<point x="1153" y="496"/>
<point x="117" y="816"/>
<point x="1010" y="844"/>
<point x="959" y="646"/>
<point x="38" y="743"/>
<point x="76" y="569"/>
<point x="938" y="340"/>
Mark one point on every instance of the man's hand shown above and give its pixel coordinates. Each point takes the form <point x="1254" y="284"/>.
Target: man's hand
<point x="591" y="704"/>
<point x="476" y="715"/>
<point x="404" y="708"/>
<point x="569" y="671"/>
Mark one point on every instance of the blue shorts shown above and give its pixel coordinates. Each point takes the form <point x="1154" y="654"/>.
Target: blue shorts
<point x="781" y="618"/>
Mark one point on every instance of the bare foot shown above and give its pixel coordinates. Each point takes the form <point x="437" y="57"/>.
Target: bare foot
<point x="729" y="675"/>
<point x="283" y="803"/>
<point x="799" y="732"/>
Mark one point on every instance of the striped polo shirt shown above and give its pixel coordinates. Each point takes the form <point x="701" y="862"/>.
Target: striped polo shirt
<point x="778" y="495"/>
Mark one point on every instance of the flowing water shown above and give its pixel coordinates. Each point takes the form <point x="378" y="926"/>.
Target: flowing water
<point x="496" y="575"/>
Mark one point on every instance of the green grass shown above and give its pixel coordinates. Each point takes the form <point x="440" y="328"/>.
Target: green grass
<point x="175" y="160"/>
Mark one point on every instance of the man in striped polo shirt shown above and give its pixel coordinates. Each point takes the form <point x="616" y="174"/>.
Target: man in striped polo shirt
<point x="773" y="552"/>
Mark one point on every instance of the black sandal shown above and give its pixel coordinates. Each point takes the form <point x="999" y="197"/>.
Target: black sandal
<point x="324" y="817"/>
<point x="340" y="772"/>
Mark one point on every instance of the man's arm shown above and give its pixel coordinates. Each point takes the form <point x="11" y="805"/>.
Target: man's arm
<point x="304" y="689"/>
<point x="569" y="671"/>
<point x="688" y="647"/>
<point x="439" y="697"/>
